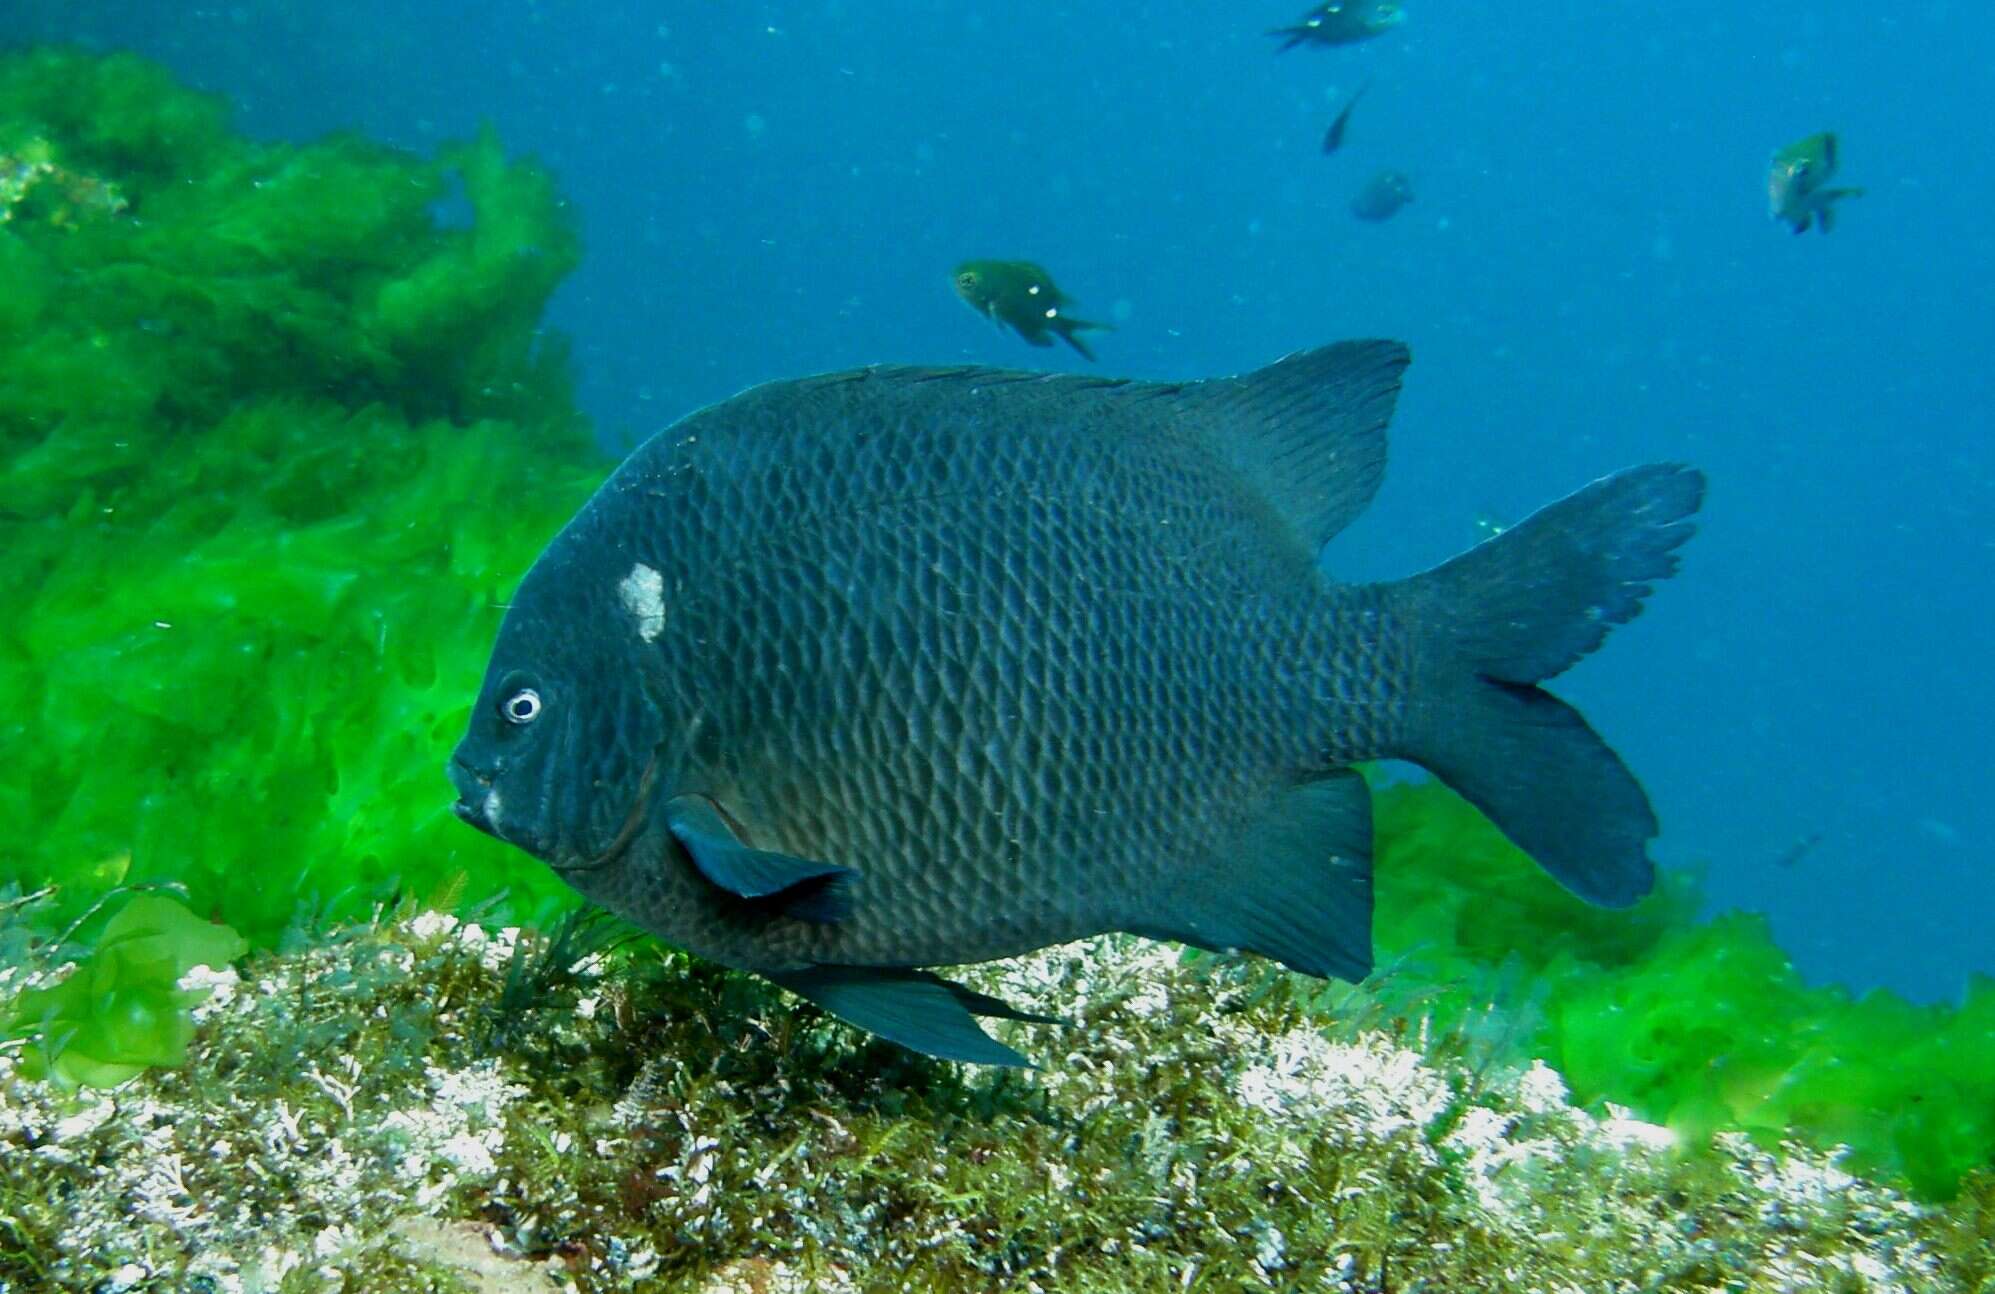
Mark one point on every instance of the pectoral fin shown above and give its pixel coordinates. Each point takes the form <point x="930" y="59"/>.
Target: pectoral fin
<point x="1830" y="197"/>
<point x="798" y="887"/>
<point x="915" y="1008"/>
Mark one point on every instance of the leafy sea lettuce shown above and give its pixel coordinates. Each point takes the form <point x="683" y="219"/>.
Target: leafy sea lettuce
<point x="278" y="430"/>
<point x="121" y="1008"/>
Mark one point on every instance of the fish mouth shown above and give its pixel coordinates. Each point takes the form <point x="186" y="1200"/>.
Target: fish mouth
<point x="477" y="802"/>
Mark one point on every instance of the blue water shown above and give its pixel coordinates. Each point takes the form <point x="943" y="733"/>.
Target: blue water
<point x="1587" y="276"/>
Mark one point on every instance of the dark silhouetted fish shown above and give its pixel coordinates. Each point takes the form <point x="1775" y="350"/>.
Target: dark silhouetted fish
<point x="1341" y="22"/>
<point x="864" y="673"/>
<point x="1382" y="197"/>
<point x="1333" y="138"/>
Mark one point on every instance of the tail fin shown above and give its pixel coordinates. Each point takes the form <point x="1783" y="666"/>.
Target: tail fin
<point x="1067" y="326"/>
<point x="1520" y="608"/>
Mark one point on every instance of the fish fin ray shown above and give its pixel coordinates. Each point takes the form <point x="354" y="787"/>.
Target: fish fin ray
<point x="1520" y="608"/>
<point x="1067" y="328"/>
<point x="799" y="887"/>
<point x="1527" y="603"/>
<point x="1309" y="430"/>
<point x="915" y="1008"/>
<point x="984" y="1004"/>
<point x="1536" y="769"/>
<point x="1298" y="887"/>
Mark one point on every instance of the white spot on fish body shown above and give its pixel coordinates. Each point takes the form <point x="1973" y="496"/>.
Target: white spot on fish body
<point x="643" y="595"/>
<point x="492" y="808"/>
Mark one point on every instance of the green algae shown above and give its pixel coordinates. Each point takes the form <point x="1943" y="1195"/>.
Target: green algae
<point x="121" y="1009"/>
<point x="276" y="438"/>
<point x="1703" y="1025"/>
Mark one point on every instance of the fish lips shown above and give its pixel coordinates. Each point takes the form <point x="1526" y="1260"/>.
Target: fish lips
<point x="477" y="800"/>
<point x="480" y="804"/>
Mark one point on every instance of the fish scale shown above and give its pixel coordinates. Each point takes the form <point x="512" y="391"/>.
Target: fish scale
<point x="937" y="824"/>
<point x="871" y="672"/>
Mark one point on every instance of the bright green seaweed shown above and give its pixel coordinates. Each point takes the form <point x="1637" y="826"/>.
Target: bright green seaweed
<point x="121" y="1010"/>
<point x="276" y="440"/>
<point x="1701" y="1025"/>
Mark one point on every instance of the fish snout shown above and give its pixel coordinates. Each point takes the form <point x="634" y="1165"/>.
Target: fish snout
<point x="476" y="801"/>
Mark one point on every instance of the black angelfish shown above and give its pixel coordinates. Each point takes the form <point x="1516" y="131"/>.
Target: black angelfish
<point x="863" y="673"/>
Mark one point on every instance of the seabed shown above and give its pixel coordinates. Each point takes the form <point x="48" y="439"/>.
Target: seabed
<point x="421" y="1104"/>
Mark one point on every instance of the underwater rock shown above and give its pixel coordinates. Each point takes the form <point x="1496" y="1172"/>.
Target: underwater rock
<point x="347" y="1119"/>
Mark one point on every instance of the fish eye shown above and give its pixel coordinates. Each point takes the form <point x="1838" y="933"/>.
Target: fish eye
<point x="521" y="708"/>
<point x="966" y="280"/>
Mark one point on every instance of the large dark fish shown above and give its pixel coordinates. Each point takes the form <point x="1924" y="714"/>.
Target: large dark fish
<point x="874" y="671"/>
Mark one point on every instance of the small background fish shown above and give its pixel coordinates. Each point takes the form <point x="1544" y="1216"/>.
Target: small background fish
<point x="1382" y="197"/>
<point x="1342" y="22"/>
<point x="1023" y="297"/>
<point x="1333" y="138"/>
<point x="1797" y="184"/>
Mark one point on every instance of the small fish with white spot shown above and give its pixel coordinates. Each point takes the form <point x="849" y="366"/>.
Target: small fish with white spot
<point x="1023" y="297"/>
<point x="1341" y="22"/>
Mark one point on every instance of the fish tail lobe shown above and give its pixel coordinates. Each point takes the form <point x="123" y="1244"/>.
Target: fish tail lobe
<point x="1499" y="619"/>
<point x="1069" y="329"/>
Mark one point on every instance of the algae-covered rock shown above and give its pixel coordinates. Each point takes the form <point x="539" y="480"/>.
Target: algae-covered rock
<point x="278" y="431"/>
<point x="352" y="1117"/>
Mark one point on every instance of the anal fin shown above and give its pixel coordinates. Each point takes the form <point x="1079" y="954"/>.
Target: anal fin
<point x="915" y="1008"/>
<point x="1297" y="886"/>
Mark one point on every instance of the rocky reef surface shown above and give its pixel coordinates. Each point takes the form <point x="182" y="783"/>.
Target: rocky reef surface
<point x="422" y="1104"/>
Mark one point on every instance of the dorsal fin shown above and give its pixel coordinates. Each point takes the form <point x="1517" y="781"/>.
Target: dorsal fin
<point x="1309" y="430"/>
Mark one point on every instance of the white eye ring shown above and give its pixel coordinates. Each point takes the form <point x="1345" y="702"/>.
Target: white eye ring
<point x="522" y="707"/>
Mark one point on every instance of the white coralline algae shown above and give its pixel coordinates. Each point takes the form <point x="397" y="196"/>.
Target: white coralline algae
<point x="349" y="1119"/>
